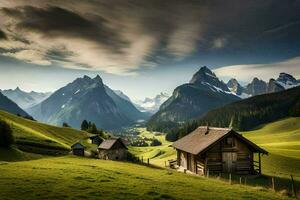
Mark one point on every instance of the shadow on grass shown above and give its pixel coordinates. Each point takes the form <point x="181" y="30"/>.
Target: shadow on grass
<point x="281" y="184"/>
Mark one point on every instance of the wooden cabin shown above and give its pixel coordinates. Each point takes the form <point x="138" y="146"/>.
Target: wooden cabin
<point x="96" y="139"/>
<point x="218" y="150"/>
<point x="112" y="149"/>
<point x="78" y="149"/>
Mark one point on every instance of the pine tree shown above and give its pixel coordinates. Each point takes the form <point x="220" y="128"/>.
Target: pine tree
<point x="84" y="125"/>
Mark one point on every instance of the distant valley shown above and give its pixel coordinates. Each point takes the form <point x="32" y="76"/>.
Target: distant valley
<point x="90" y="99"/>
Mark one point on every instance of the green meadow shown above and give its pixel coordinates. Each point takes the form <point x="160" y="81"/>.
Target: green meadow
<point x="157" y="155"/>
<point x="35" y="137"/>
<point x="71" y="177"/>
<point x="282" y="140"/>
<point x="29" y="170"/>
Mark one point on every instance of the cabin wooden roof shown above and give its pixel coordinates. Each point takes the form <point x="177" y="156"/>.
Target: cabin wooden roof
<point x="109" y="143"/>
<point x="78" y="145"/>
<point x="95" y="137"/>
<point x="204" y="137"/>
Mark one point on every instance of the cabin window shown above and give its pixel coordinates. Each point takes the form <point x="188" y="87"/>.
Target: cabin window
<point x="230" y="141"/>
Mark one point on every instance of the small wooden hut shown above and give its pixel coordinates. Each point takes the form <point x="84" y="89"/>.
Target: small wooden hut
<point x="78" y="149"/>
<point x="96" y="139"/>
<point x="112" y="149"/>
<point x="219" y="150"/>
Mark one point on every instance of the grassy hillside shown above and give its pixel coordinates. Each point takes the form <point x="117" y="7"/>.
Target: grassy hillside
<point x="82" y="178"/>
<point x="157" y="154"/>
<point x="32" y="136"/>
<point x="282" y="140"/>
<point x="13" y="154"/>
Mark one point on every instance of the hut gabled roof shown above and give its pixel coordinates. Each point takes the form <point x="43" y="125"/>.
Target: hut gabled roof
<point x="109" y="143"/>
<point x="78" y="145"/>
<point x="95" y="137"/>
<point x="204" y="137"/>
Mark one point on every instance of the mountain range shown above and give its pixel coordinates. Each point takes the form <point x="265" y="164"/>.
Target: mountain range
<point x="9" y="106"/>
<point x="25" y="99"/>
<point x="258" y="87"/>
<point x="87" y="99"/>
<point x="206" y="92"/>
<point x="152" y="105"/>
<point x="203" y="93"/>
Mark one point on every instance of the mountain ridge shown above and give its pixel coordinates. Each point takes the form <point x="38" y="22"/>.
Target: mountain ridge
<point x="203" y="92"/>
<point x="9" y="106"/>
<point x="90" y="99"/>
<point x="25" y="99"/>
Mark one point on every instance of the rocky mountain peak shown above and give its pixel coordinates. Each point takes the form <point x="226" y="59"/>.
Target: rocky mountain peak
<point x="232" y="83"/>
<point x="234" y="86"/>
<point x="203" y="75"/>
<point x="286" y="78"/>
<point x="256" y="87"/>
<point x="98" y="79"/>
<point x="274" y="86"/>
<point x="85" y="77"/>
<point x="206" y="77"/>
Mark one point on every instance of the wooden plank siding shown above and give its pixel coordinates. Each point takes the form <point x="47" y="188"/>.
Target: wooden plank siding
<point x="230" y="155"/>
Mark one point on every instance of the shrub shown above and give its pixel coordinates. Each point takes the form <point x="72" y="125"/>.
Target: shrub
<point x="155" y="142"/>
<point x="65" y="124"/>
<point x="6" y="136"/>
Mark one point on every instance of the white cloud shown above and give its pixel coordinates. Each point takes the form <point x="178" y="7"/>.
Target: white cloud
<point x="184" y="40"/>
<point x="30" y="56"/>
<point x="262" y="71"/>
<point x="142" y="37"/>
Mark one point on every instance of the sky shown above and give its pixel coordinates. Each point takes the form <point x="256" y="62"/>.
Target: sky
<point x="145" y="47"/>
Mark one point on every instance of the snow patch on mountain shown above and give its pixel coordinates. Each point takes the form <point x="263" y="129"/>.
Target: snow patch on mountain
<point x="152" y="104"/>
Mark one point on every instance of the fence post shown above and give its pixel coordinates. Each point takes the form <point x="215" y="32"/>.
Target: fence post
<point x="273" y="184"/>
<point x="207" y="174"/>
<point x="245" y="180"/>
<point x="293" y="187"/>
<point x="240" y="180"/>
<point x="229" y="178"/>
<point x="220" y="176"/>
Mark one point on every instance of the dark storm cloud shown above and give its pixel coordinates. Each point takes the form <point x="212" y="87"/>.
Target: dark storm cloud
<point x="121" y="36"/>
<point x="59" y="22"/>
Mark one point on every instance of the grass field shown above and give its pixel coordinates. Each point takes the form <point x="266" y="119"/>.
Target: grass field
<point x="71" y="177"/>
<point x="157" y="154"/>
<point x="282" y="140"/>
<point x="35" y="137"/>
<point x="68" y="177"/>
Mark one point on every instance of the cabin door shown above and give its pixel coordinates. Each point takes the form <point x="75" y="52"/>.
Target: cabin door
<point x="188" y="159"/>
<point x="229" y="161"/>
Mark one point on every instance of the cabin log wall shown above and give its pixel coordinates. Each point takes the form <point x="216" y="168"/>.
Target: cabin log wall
<point x="215" y="159"/>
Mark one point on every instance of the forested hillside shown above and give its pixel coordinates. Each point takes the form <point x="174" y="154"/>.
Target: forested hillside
<point x="247" y="114"/>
